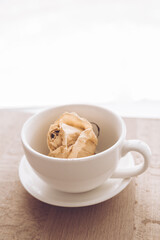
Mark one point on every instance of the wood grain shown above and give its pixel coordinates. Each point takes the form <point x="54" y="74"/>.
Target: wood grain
<point x="134" y="214"/>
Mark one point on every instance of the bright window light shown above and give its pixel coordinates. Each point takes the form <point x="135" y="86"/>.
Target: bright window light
<point x="55" y="52"/>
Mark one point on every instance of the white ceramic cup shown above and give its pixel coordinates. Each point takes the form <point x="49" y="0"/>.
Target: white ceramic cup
<point x="82" y="174"/>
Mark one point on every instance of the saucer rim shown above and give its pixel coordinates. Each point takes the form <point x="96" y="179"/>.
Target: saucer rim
<point x="122" y="185"/>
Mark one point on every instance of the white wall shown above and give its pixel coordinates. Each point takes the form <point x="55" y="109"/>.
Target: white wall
<point x="56" y="52"/>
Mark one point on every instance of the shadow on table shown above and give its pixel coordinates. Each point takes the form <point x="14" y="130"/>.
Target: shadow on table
<point x="113" y="218"/>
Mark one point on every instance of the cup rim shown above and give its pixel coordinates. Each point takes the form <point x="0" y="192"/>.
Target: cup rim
<point x="49" y="158"/>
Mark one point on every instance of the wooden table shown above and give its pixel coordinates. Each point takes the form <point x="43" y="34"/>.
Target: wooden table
<point x="132" y="214"/>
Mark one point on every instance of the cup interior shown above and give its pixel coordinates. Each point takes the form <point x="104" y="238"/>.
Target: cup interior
<point x="35" y="130"/>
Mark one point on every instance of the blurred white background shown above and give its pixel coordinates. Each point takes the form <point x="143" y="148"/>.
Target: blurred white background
<point x="92" y="51"/>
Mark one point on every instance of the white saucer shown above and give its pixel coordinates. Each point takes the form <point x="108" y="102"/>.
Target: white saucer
<point x="45" y="193"/>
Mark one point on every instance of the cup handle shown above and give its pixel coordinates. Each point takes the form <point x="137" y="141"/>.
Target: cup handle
<point x="138" y="146"/>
